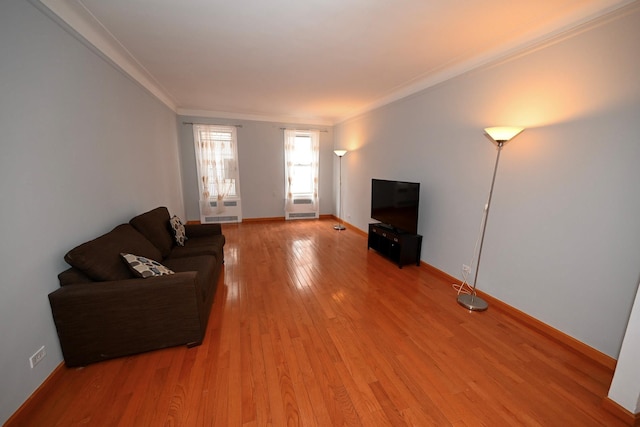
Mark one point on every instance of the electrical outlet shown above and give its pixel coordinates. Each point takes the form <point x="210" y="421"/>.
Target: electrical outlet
<point x="37" y="357"/>
<point x="465" y="268"/>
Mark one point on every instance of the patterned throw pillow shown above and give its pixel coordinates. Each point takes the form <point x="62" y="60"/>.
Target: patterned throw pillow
<point x="145" y="267"/>
<point x="178" y="230"/>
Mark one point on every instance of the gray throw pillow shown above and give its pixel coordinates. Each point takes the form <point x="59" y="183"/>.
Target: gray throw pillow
<point x="178" y="230"/>
<point x="145" y="267"/>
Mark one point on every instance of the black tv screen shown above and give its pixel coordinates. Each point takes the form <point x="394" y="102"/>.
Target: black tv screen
<point x="395" y="203"/>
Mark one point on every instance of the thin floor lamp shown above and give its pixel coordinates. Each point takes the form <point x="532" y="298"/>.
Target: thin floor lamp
<point x="499" y="135"/>
<point x="339" y="226"/>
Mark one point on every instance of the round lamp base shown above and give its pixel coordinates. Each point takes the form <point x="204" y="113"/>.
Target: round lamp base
<point x="472" y="302"/>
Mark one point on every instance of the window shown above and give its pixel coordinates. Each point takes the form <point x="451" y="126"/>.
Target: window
<point x="216" y="162"/>
<point x="301" y="166"/>
<point x="301" y="171"/>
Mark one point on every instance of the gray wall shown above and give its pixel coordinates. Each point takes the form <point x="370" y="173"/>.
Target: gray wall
<point x="261" y="162"/>
<point x="563" y="237"/>
<point x="83" y="148"/>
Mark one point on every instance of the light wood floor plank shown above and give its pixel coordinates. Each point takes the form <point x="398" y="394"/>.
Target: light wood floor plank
<point x="310" y="328"/>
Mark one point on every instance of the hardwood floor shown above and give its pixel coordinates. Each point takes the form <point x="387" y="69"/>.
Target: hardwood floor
<point x="310" y="328"/>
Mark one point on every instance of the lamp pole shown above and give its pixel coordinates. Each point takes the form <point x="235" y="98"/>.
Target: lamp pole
<point x="339" y="226"/>
<point x="472" y="301"/>
<point x="500" y="135"/>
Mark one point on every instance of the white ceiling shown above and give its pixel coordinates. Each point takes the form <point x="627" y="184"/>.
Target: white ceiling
<point x="313" y="61"/>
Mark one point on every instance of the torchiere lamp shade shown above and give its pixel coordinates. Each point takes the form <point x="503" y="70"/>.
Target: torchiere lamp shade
<point x="503" y="133"/>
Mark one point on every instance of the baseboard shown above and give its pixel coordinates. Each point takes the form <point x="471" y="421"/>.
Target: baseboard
<point x="347" y="225"/>
<point x="281" y="218"/>
<point x="357" y="230"/>
<point x="620" y="412"/>
<point x="578" y="346"/>
<point x="270" y="219"/>
<point x="266" y="219"/>
<point x="40" y="393"/>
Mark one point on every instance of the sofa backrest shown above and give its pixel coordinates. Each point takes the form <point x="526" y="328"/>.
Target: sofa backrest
<point x="99" y="259"/>
<point x="154" y="225"/>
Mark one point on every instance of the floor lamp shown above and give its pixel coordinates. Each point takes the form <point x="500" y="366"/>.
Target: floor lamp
<point x="500" y="136"/>
<point x="339" y="226"/>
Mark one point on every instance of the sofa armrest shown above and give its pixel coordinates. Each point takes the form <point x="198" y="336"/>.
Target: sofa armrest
<point x="202" y="230"/>
<point x="102" y="320"/>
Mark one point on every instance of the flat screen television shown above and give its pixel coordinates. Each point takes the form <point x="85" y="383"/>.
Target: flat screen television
<point x="395" y="204"/>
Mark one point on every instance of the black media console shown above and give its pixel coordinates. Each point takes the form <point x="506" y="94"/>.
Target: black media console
<point x="401" y="248"/>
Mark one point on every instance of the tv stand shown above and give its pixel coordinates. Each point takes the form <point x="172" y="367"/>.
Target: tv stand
<point x="387" y="227"/>
<point x="401" y="248"/>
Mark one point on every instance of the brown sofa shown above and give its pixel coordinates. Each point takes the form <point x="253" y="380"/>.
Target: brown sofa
<point x="102" y="310"/>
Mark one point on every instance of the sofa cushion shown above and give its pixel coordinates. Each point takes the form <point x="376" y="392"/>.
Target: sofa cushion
<point x="154" y="225"/>
<point x="73" y="276"/>
<point x="209" y="245"/>
<point x="178" y="230"/>
<point x="204" y="265"/>
<point x="100" y="259"/>
<point x="145" y="267"/>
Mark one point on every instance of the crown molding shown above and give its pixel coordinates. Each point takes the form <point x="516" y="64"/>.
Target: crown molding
<point x="548" y="35"/>
<point x="80" y="23"/>
<point x="254" y="117"/>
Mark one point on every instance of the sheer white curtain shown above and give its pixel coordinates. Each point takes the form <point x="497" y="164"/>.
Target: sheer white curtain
<point x="301" y="156"/>
<point x="217" y="165"/>
<point x="315" y="167"/>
